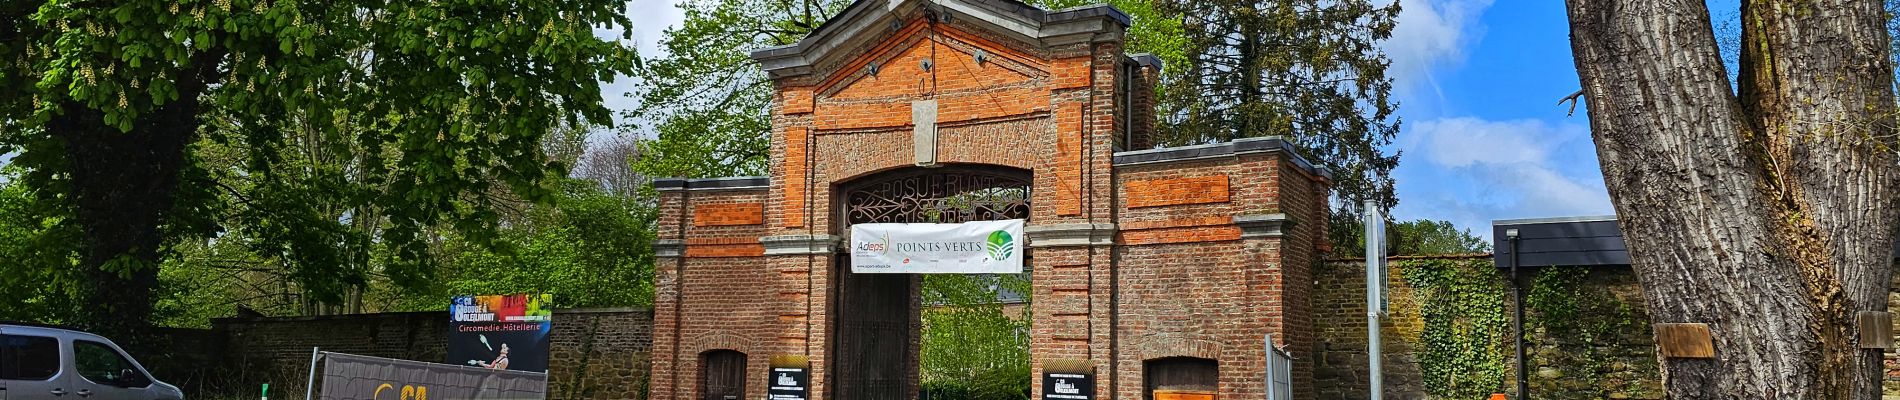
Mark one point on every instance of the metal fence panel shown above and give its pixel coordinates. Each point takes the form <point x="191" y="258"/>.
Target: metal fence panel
<point x="1279" y="372"/>
<point x="354" y="377"/>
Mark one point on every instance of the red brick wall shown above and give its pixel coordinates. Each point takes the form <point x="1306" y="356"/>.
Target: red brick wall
<point x="1190" y="285"/>
<point x="711" y="298"/>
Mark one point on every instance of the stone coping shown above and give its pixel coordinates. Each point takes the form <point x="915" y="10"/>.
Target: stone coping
<point x="1414" y="257"/>
<point x="1147" y="60"/>
<point x="1235" y="148"/>
<point x="558" y="311"/>
<point x="732" y="183"/>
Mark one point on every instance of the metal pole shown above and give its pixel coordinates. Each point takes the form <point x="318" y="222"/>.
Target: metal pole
<point x="1517" y="292"/>
<point x="1269" y="341"/>
<point x="1375" y="257"/>
<point x="310" y="386"/>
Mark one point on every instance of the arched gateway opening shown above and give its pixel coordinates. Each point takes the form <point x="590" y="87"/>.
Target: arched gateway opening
<point x="877" y="325"/>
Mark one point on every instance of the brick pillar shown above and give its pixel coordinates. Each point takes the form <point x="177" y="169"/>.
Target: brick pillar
<point x="1148" y="75"/>
<point x="668" y="248"/>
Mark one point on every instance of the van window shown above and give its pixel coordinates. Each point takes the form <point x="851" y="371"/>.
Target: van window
<point x="28" y="358"/>
<point x="103" y="365"/>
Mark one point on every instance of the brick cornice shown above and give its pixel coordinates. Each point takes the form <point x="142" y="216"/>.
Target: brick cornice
<point x="800" y="244"/>
<point x="1071" y="234"/>
<point x="669" y="248"/>
<point x="1263" y="225"/>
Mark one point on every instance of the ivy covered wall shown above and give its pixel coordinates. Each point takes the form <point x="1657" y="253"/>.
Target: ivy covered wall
<point x="1447" y="333"/>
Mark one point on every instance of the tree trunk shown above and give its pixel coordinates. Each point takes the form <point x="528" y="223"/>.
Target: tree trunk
<point x="1769" y="214"/>
<point x="123" y="190"/>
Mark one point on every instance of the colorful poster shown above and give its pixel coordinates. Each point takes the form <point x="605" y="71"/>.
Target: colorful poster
<point x="976" y="247"/>
<point x="500" y="332"/>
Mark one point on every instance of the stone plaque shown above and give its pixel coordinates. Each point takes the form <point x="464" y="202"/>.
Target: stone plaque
<point x="923" y="119"/>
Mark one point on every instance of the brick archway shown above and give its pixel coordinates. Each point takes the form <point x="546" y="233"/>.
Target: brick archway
<point x="721" y="341"/>
<point x="1129" y="244"/>
<point x="1165" y="346"/>
<point x="876" y="336"/>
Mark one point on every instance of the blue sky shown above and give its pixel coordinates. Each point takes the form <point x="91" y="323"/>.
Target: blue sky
<point x="1483" y="137"/>
<point x="1478" y="82"/>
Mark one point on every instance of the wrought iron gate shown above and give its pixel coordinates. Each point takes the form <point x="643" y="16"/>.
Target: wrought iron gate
<point x="876" y="315"/>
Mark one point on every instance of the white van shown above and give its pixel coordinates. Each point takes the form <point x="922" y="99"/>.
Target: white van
<point x="40" y="363"/>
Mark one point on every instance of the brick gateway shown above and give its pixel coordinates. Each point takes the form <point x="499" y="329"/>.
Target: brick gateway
<point x="1153" y="268"/>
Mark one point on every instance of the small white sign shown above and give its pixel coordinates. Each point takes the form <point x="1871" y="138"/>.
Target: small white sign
<point x="976" y="247"/>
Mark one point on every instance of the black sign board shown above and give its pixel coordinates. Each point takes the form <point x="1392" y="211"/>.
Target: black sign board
<point x="789" y="378"/>
<point x="1067" y="386"/>
<point x="788" y="384"/>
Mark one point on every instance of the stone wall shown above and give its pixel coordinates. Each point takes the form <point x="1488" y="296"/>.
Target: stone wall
<point x="1590" y="336"/>
<point x="595" y="353"/>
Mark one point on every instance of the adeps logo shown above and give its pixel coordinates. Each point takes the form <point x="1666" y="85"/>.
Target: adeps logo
<point x="1001" y="245"/>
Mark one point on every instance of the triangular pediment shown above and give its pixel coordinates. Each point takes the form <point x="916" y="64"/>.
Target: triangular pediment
<point x="952" y="69"/>
<point x="866" y="22"/>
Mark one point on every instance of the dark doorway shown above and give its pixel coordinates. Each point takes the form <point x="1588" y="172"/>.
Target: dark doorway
<point x="722" y="375"/>
<point x="1180" y="374"/>
<point x="875" y="335"/>
<point x="875" y="328"/>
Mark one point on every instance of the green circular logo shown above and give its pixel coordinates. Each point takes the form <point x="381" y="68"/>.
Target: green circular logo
<point x="1001" y="245"/>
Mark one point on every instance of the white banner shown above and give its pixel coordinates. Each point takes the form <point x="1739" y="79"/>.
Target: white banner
<point x="977" y="247"/>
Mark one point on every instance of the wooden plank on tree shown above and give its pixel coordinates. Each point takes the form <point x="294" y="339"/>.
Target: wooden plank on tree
<point x="1876" y="329"/>
<point x="1690" y="340"/>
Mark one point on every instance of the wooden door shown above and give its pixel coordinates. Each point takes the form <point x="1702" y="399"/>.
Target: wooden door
<point x="722" y="375"/>
<point x="1180" y="378"/>
<point x="874" y="336"/>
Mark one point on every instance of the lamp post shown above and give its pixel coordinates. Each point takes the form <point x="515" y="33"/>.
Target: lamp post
<point x="1375" y="296"/>
<point x="1517" y="295"/>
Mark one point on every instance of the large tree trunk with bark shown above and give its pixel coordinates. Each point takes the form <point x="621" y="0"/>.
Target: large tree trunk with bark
<point x="1768" y="214"/>
<point x="123" y="191"/>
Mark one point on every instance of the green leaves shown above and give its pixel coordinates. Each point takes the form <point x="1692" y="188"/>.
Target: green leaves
<point x="706" y="100"/>
<point x="1461" y="301"/>
<point x="1309" y="71"/>
<point x="344" y="130"/>
<point x="974" y="345"/>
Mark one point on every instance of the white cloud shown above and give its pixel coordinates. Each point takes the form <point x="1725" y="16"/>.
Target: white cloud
<point x="651" y="19"/>
<point x="1431" y="34"/>
<point x="1463" y="141"/>
<point x="1471" y="171"/>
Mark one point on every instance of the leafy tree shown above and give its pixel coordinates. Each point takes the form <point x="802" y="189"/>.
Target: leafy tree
<point x="973" y="346"/>
<point x="1308" y="71"/>
<point x="1426" y="237"/>
<point x="590" y="247"/>
<point x="1764" y="208"/>
<point x="37" y="250"/>
<point x="706" y="98"/>
<point x="1409" y="238"/>
<point x="105" y="103"/>
<point x="592" y="250"/>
